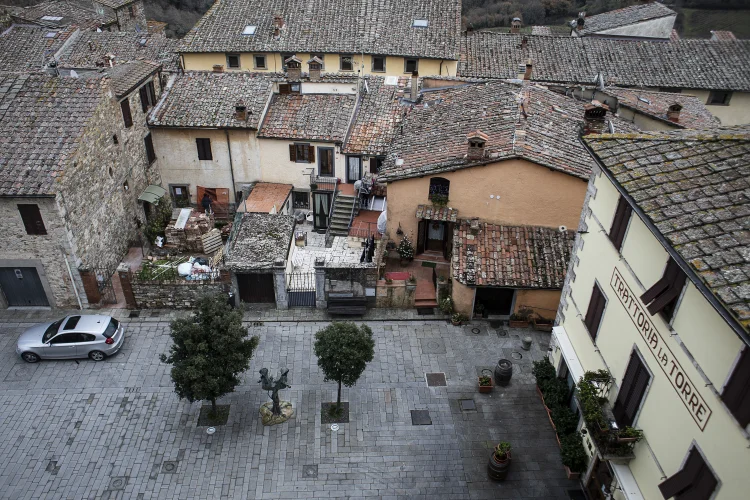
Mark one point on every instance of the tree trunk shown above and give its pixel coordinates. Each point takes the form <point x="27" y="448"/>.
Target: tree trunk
<point x="276" y="409"/>
<point x="338" y="400"/>
<point x="213" y="406"/>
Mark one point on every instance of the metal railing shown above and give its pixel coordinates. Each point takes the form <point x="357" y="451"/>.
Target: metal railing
<point x="323" y="183"/>
<point x="329" y="236"/>
<point x="355" y="206"/>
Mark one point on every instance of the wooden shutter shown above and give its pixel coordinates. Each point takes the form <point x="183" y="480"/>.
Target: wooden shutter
<point x="284" y="88"/>
<point x="204" y="149"/>
<point x="311" y="153"/>
<point x="144" y="98"/>
<point x="694" y="481"/>
<point x="595" y="311"/>
<point x="32" y="219"/>
<point x="620" y="223"/>
<point x="292" y="152"/>
<point x="632" y="390"/>
<point x="150" y="154"/>
<point x="126" y="116"/>
<point x="666" y="290"/>
<point x="151" y="93"/>
<point x="736" y="394"/>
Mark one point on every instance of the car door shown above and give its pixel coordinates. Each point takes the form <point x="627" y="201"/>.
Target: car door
<point x="86" y="343"/>
<point x="62" y="346"/>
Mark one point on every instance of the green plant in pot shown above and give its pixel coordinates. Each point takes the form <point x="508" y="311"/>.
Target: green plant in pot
<point x="574" y="456"/>
<point x="458" y="318"/>
<point x="446" y="305"/>
<point x="497" y="467"/>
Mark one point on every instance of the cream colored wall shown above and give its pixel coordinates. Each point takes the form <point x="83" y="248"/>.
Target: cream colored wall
<point x="177" y="153"/>
<point x="667" y="424"/>
<point x="463" y="296"/>
<point x="643" y="122"/>
<point x="276" y="166"/>
<point x="736" y="113"/>
<point x="643" y="253"/>
<point x="542" y="302"/>
<point x="394" y="65"/>
<point x="529" y="195"/>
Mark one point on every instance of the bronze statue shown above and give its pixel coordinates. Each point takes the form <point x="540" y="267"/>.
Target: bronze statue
<point x="269" y="384"/>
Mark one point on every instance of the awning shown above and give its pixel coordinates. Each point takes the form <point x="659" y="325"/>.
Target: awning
<point x="627" y="482"/>
<point x="430" y="212"/>
<point x="152" y="194"/>
<point x="560" y="338"/>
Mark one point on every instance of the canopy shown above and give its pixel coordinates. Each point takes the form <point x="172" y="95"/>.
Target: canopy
<point x="152" y="194"/>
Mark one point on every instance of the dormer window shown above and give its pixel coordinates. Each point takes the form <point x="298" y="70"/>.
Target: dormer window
<point x="420" y="23"/>
<point x="477" y="140"/>
<point x="249" y="30"/>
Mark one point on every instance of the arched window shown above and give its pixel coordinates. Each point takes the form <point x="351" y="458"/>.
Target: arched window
<point x="439" y="189"/>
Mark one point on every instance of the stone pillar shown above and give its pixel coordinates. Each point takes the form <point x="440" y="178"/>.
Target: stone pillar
<point x="123" y="271"/>
<point x="279" y="284"/>
<point x="320" y="283"/>
<point x="442" y="290"/>
<point x="90" y="286"/>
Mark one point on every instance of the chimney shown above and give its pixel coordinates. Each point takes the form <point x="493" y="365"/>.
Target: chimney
<point x="477" y="140"/>
<point x="276" y="33"/>
<point x="414" y="86"/>
<point x="594" y="115"/>
<point x="524" y="43"/>
<point x="314" y="66"/>
<point x="529" y="68"/>
<point x="515" y="25"/>
<point x="278" y="21"/>
<point x="240" y="111"/>
<point x="474" y="225"/>
<point x="218" y="68"/>
<point x="580" y="21"/>
<point x="673" y="113"/>
<point x="293" y="68"/>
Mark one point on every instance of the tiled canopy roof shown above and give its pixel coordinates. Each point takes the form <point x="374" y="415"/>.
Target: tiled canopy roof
<point x="29" y="48"/>
<point x="689" y="64"/>
<point x="72" y="14"/>
<point x="91" y="50"/>
<point x="544" y="131"/>
<point x="206" y="99"/>
<point x="41" y="121"/>
<point x="315" y="117"/>
<point x="511" y="256"/>
<point x="694" y="113"/>
<point x="695" y="188"/>
<point x="623" y="17"/>
<point x="331" y="26"/>
<point x="430" y="212"/>
<point x="127" y="76"/>
<point x="260" y="240"/>
<point x="265" y="196"/>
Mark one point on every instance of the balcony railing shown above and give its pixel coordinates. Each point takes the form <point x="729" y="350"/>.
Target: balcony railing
<point x="319" y="183"/>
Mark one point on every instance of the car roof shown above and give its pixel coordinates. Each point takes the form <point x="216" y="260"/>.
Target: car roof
<point x="89" y="323"/>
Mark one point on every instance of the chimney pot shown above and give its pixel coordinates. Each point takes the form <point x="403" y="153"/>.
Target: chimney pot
<point x="240" y="112"/>
<point x="594" y="116"/>
<point x="515" y="25"/>
<point x="673" y="113"/>
<point x="218" y="68"/>
<point x="314" y="66"/>
<point x="477" y="140"/>
<point x="580" y="21"/>
<point x="527" y="70"/>
<point x="414" y="86"/>
<point x="293" y="68"/>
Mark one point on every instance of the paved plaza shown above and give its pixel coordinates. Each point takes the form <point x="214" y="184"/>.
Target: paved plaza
<point x="116" y="430"/>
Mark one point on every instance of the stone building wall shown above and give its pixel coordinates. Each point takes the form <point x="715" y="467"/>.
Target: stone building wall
<point x="134" y="22"/>
<point x="174" y="294"/>
<point x="44" y="252"/>
<point x="102" y="182"/>
<point x="350" y="280"/>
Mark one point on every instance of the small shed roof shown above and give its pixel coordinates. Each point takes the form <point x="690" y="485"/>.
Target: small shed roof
<point x="265" y="196"/>
<point x="260" y="240"/>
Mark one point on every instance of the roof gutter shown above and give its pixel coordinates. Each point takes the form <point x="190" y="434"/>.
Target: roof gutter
<point x="718" y="306"/>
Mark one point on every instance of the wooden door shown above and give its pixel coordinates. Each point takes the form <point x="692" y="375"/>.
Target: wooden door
<point x="421" y="235"/>
<point x="256" y="288"/>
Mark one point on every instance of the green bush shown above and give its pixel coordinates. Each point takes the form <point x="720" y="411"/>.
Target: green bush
<point x="158" y="219"/>
<point x="565" y="420"/>
<point x="446" y="305"/>
<point x="573" y="454"/>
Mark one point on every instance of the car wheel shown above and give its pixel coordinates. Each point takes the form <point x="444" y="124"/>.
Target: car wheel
<point x="30" y="357"/>
<point x="97" y="355"/>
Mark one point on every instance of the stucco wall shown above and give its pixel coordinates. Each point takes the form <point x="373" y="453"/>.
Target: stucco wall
<point x="542" y="302"/>
<point x="529" y="194"/>
<point x="394" y="65"/>
<point x="736" y="113"/>
<point x="276" y="166"/>
<point x="700" y="342"/>
<point x="463" y="297"/>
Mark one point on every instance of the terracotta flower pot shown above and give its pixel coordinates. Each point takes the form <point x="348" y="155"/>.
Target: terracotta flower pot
<point x="484" y="389"/>
<point x="571" y="474"/>
<point x="518" y="324"/>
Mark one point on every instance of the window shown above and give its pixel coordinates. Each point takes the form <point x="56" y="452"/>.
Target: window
<point x="353" y="168"/>
<point x="180" y="195"/>
<point x="302" y="153"/>
<point x="259" y="61"/>
<point x="325" y="162"/>
<point x="662" y="297"/>
<point x="595" y="311"/>
<point x="52" y="330"/>
<point x="249" y="30"/>
<point x="289" y="88"/>
<point x="674" y="90"/>
<point x="65" y="338"/>
<point x="301" y="199"/>
<point x="114" y="139"/>
<point x="420" y="23"/>
<point x="233" y="60"/>
<point x="148" y="96"/>
<point x="32" y="219"/>
<point x="719" y="98"/>
<point x="347" y="63"/>
<point x="378" y="64"/>
<point x="126" y="116"/>
<point x="150" y="154"/>
<point x="86" y="337"/>
<point x="632" y="390"/>
<point x="111" y="328"/>
<point x="410" y="66"/>
<point x="375" y="165"/>
<point x="736" y="394"/>
<point x="204" y="149"/>
<point x="695" y="480"/>
<point x="620" y="223"/>
<point x="72" y="323"/>
<point x="439" y="190"/>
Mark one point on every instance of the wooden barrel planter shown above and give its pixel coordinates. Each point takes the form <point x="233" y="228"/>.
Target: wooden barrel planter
<point x="497" y="470"/>
<point x="503" y="372"/>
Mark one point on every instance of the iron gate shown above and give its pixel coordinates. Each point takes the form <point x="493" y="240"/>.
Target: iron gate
<point x="104" y="285"/>
<point x="300" y="289"/>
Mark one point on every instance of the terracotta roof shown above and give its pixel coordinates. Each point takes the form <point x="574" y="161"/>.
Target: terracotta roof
<point x="29" y="48"/>
<point x="72" y="14"/>
<point x="694" y="113"/>
<point x="623" y="17"/>
<point x="545" y="131"/>
<point x="314" y="117"/>
<point x="41" y="121"/>
<point x="331" y="26"/>
<point x="206" y="99"/>
<point x="429" y="212"/>
<point x="722" y="36"/>
<point x="511" y="256"/>
<point x="379" y="113"/>
<point x="689" y="64"/>
<point x="265" y="196"/>
<point x="91" y="50"/>
<point x="541" y="30"/>
<point x="695" y="188"/>
<point x="125" y="77"/>
<point x="259" y="241"/>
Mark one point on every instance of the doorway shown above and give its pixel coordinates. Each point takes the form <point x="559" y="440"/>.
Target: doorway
<point x="435" y="236"/>
<point x="325" y="162"/>
<point x="180" y="195"/>
<point x="600" y="481"/>
<point x="321" y="209"/>
<point x="22" y="287"/>
<point x="256" y="288"/>
<point x="496" y="301"/>
<point x="353" y="169"/>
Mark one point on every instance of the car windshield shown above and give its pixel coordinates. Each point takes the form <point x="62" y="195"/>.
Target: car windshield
<point x="111" y="328"/>
<point x="52" y="330"/>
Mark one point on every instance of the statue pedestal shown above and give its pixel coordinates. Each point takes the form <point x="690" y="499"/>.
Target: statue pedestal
<point x="268" y="418"/>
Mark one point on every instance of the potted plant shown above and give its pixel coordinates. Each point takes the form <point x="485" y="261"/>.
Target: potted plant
<point x="497" y="468"/>
<point x="405" y="250"/>
<point x="439" y="200"/>
<point x="446" y="305"/>
<point x="480" y="311"/>
<point x="388" y="281"/>
<point x="574" y="456"/>
<point x="629" y="435"/>
<point x="313" y="187"/>
<point x="458" y="318"/>
<point x="485" y="382"/>
<point x="520" y="319"/>
<point x="542" y="324"/>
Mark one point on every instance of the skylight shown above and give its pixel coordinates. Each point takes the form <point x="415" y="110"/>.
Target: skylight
<point x="420" y="23"/>
<point x="50" y="34"/>
<point x="249" y="29"/>
<point x="51" y="18"/>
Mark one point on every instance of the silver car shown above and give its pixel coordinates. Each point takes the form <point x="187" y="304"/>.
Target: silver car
<point x="79" y="336"/>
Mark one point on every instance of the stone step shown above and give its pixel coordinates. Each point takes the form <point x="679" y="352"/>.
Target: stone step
<point x="419" y="303"/>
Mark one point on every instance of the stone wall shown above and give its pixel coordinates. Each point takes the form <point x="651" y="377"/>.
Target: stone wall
<point x="399" y="294"/>
<point x="350" y="280"/>
<point x="178" y="294"/>
<point x="132" y="22"/>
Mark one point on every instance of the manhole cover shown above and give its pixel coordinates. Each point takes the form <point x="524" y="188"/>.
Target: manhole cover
<point x="467" y="404"/>
<point x="334" y="427"/>
<point x="310" y="471"/>
<point x="502" y="333"/>
<point x="118" y="483"/>
<point x="476" y="331"/>
<point x="210" y="430"/>
<point x="516" y="355"/>
<point x="420" y="417"/>
<point x="435" y="379"/>
<point x="169" y="467"/>
<point x="432" y="346"/>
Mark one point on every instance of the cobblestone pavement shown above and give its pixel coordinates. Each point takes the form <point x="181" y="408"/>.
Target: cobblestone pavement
<point x="116" y="430"/>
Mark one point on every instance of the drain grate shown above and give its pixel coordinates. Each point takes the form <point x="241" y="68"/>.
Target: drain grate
<point x="420" y="417"/>
<point x="467" y="405"/>
<point x="134" y="314"/>
<point x="169" y="466"/>
<point x="476" y="331"/>
<point x="435" y="379"/>
<point x="118" y="483"/>
<point x="310" y="471"/>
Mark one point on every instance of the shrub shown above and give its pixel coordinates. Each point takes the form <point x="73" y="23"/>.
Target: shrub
<point x="573" y="454"/>
<point x="446" y="305"/>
